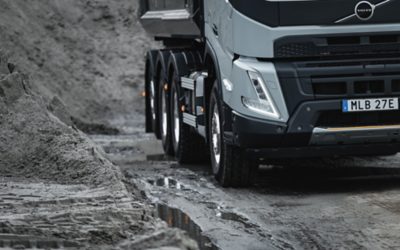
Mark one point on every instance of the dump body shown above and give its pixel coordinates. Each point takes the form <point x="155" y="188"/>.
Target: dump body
<point x="171" y="18"/>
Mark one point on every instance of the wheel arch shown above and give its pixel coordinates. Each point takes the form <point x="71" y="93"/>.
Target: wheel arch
<point x="214" y="74"/>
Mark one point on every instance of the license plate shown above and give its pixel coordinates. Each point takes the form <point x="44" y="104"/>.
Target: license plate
<point x="365" y="105"/>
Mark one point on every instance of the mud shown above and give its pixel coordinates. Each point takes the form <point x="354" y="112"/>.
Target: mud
<point x="177" y="219"/>
<point x="51" y="216"/>
<point x="349" y="203"/>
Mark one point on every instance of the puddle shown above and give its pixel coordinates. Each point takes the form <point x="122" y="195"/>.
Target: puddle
<point x="178" y="219"/>
<point x="167" y="183"/>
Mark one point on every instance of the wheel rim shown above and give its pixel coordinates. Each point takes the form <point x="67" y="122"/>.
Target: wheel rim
<point x="216" y="139"/>
<point x="164" y="125"/>
<point x="152" y="100"/>
<point x="177" y="129"/>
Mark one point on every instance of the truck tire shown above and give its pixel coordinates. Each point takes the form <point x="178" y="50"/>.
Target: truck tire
<point x="164" y="115"/>
<point x="229" y="163"/>
<point x="189" y="148"/>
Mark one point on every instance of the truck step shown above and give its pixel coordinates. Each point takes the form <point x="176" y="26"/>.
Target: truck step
<point x="187" y="83"/>
<point x="190" y="120"/>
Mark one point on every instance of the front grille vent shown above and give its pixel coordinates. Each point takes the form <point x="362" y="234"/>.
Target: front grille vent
<point x="336" y="46"/>
<point x="356" y="78"/>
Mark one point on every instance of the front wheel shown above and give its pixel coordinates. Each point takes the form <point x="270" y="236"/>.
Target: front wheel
<point x="229" y="163"/>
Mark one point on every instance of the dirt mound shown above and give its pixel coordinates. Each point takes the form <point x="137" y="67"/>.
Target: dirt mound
<point x="57" y="187"/>
<point x="89" y="53"/>
<point x="36" y="143"/>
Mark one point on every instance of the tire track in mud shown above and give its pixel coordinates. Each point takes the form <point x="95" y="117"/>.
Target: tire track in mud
<point x="43" y="216"/>
<point x="163" y="181"/>
<point x="193" y="195"/>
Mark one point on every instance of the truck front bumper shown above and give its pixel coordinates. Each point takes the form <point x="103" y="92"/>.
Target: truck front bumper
<point x="302" y="135"/>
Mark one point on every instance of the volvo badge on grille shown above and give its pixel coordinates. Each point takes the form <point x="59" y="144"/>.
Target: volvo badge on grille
<point x="364" y="10"/>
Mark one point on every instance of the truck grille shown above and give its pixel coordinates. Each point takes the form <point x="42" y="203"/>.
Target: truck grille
<point x="351" y="79"/>
<point x="295" y="47"/>
<point x="309" y="80"/>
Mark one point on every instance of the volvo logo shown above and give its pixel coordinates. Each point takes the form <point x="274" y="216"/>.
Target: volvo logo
<point x="364" y="10"/>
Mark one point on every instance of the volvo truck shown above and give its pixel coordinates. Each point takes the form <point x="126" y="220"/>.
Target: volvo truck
<point x="249" y="82"/>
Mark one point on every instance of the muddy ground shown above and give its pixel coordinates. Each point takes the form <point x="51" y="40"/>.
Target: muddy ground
<point x="79" y="71"/>
<point x="350" y="203"/>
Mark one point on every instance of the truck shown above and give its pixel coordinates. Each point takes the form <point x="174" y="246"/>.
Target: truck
<point x="244" y="83"/>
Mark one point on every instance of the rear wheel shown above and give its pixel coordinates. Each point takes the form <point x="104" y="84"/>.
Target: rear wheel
<point x="165" y="117"/>
<point x="188" y="146"/>
<point x="229" y="163"/>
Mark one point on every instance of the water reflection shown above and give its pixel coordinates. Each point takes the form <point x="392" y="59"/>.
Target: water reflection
<point x="178" y="219"/>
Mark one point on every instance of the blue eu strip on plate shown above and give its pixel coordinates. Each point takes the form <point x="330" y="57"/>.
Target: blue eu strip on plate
<point x="345" y="106"/>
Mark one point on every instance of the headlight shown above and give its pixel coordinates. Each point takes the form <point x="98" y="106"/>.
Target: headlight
<point x="264" y="103"/>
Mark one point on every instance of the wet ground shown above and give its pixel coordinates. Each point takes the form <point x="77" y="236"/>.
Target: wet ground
<point x="329" y="204"/>
<point x="54" y="216"/>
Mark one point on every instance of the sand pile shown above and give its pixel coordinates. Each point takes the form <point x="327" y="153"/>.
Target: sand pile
<point x="89" y="53"/>
<point x="57" y="178"/>
<point x="39" y="141"/>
